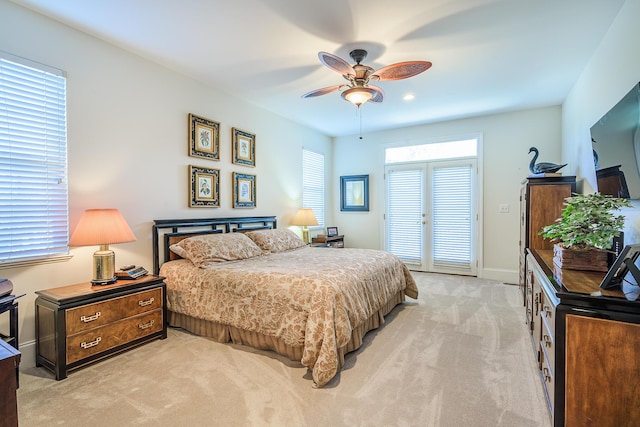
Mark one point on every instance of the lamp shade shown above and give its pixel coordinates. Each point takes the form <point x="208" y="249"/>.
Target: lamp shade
<point x="358" y="95"/>
<point x="304" y="216"/>
<point x="101" y="227"/>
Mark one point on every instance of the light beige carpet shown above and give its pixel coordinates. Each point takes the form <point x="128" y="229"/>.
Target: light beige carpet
<point x="458" y="356"/>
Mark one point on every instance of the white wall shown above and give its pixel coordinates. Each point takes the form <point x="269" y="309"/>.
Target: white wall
<point x="612" y="71"/>
<point x="504" y="162"/>
<point x="128" y="149"/>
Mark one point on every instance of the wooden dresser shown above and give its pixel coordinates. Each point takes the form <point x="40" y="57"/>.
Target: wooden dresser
<point x="80" y="324"/>
<point x="541" y="203"/>
<point x="587" y="344"/>
<point x="9" y="362"/>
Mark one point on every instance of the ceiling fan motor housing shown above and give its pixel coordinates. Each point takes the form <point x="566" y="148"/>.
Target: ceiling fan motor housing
<point x="358" y="55"/>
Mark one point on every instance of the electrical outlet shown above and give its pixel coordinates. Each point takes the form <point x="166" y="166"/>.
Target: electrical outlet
<point x="503" y="208"/>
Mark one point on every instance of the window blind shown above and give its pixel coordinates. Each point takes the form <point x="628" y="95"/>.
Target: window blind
<point x="34" y="218"/>
<point x="404" y="214"/>
<point x="313" y="184"/>
<point x="452" y="216"/>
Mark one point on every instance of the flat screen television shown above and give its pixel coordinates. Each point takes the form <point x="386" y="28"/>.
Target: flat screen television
<point x="626" y="268"/>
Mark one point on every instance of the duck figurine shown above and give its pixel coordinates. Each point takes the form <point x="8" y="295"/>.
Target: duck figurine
<point x="542" y="167"/>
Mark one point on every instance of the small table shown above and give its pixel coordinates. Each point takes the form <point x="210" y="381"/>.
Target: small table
<point x="328" y="241"/>
<point x="80" y="324"/>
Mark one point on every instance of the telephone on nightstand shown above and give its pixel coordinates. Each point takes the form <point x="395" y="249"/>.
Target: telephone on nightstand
<point x="130" y="272"/>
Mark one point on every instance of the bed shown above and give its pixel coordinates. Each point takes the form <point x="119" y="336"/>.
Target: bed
<point x="245" y="281"/>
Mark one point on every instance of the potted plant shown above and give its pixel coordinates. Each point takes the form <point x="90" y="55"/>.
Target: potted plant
<point x="584" y="234"/>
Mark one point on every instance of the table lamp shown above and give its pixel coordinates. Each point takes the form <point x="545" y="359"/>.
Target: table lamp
<point x="102" y="227"/>
<point x="305" y="217"/>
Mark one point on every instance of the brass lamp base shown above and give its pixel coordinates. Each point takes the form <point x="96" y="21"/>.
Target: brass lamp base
<point x="104" y="262"/>
<point x="305" y="235"/>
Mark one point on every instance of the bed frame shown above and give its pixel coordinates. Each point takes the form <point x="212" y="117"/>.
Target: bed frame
<point x="169" y="231"/>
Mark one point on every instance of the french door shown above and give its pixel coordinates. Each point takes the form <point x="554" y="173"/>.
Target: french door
<point x="431" y="216"/>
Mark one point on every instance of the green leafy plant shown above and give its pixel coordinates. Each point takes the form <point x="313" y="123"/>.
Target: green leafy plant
<point x="588" y="222"/>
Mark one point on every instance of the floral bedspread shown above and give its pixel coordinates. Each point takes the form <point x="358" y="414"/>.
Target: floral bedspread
<point x="309" y="297"/>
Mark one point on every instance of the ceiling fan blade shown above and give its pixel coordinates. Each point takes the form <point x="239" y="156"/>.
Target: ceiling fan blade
<point x="336" y="64"/>
<point x="400" y="70"/>
<point x="323" y="91"/>
<point x="378" y="96"/>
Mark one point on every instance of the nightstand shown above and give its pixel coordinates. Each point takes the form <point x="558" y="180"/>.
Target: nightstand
<point x="81" y="324"/>
<point x="328" y="241"/>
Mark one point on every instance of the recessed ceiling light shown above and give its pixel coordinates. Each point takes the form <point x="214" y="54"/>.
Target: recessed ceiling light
<point x="409" y="97"/>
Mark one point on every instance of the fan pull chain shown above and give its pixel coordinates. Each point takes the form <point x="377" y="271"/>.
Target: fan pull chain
<point x="359" y="114"/>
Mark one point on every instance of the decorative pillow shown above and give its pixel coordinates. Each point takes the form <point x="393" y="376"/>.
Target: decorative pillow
<point x="276" y="240"/>
<point x="211" y="248"/>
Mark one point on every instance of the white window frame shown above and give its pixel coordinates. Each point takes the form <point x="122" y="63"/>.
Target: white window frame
<point x="478" y="137"/>
<point x="34" y="207"/>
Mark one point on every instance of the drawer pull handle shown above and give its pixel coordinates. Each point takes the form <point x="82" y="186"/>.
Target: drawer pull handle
<point x="145" y="303"/>
<point x="547" y="311"/>
<point x="547" y="340"/>
<point x="87" y="319"/>
<point x="90" y="344"/>
<point x="146" y="325"/>
<point x="546" y="375"/>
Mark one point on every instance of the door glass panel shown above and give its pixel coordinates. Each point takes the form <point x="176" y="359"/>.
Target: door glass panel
<point x="452" y="220"/>
<point x="404" y="214"/>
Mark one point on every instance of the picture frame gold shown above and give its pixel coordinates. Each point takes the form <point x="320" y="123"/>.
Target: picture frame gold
<point x="243" y="147"/>
<point x="204" y="138"/>
<point x="244" y="190"/>
<point x="204" y="187"/>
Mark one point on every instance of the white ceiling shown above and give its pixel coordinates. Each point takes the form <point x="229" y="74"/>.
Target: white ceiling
<point x="488" y="55"/>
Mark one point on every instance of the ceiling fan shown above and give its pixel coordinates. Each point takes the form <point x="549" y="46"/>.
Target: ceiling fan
<point x="358" y="90"/>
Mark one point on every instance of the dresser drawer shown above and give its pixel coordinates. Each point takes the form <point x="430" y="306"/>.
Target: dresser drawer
<point x="548" y="382"/>
<point x="91" y="316"/>
<point x="548" y="313"/>
<point x="106" y="337"/>
<point x="547" y="344"/>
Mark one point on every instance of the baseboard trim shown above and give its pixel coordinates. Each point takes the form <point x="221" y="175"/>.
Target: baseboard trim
<point x="505" y="276"/>
<point x="28" y="357"/>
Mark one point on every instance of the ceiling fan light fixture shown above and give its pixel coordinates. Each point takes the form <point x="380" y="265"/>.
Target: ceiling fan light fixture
<point x="358" y="95"/>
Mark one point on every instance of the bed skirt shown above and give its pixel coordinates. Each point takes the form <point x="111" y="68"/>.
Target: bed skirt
<point x="225" y="333"/>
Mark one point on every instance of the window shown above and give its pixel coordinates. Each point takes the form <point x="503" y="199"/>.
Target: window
<point x="34" y="211"/>
<point x="313" y="184"/>
<point x="434" y="151"/>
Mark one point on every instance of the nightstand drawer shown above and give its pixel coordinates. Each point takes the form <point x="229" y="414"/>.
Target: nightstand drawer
<point x="91" y="316"/>
<point x="105" y="338"/>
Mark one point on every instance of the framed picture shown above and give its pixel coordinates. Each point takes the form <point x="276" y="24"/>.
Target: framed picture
<point x="243" y="147"/>
<point x="354" y="193"/>
<point x="244" y="190"/>
<point x="332" y="231"/>
<point x="204" y="187"/>
<point x="204" y="138"/>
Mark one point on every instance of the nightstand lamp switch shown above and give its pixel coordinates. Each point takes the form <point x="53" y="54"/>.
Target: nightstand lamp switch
<point x="305" y="217"/>
<point x="102" y="227"/>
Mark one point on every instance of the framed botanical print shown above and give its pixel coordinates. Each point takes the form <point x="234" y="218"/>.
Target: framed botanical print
<point x="354" y="193"/>
<point x="204" y="138"/>
<point x="204" y="187"/>
<point x="244" y="190"/>
<point x="243" y="147"/>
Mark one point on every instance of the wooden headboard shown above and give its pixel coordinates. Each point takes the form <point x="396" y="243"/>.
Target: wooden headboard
<point x="166" y="232"/>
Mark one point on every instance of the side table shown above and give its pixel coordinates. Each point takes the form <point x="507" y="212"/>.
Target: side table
<point x="81" y="324"/>
<point x="328" y="241"/>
